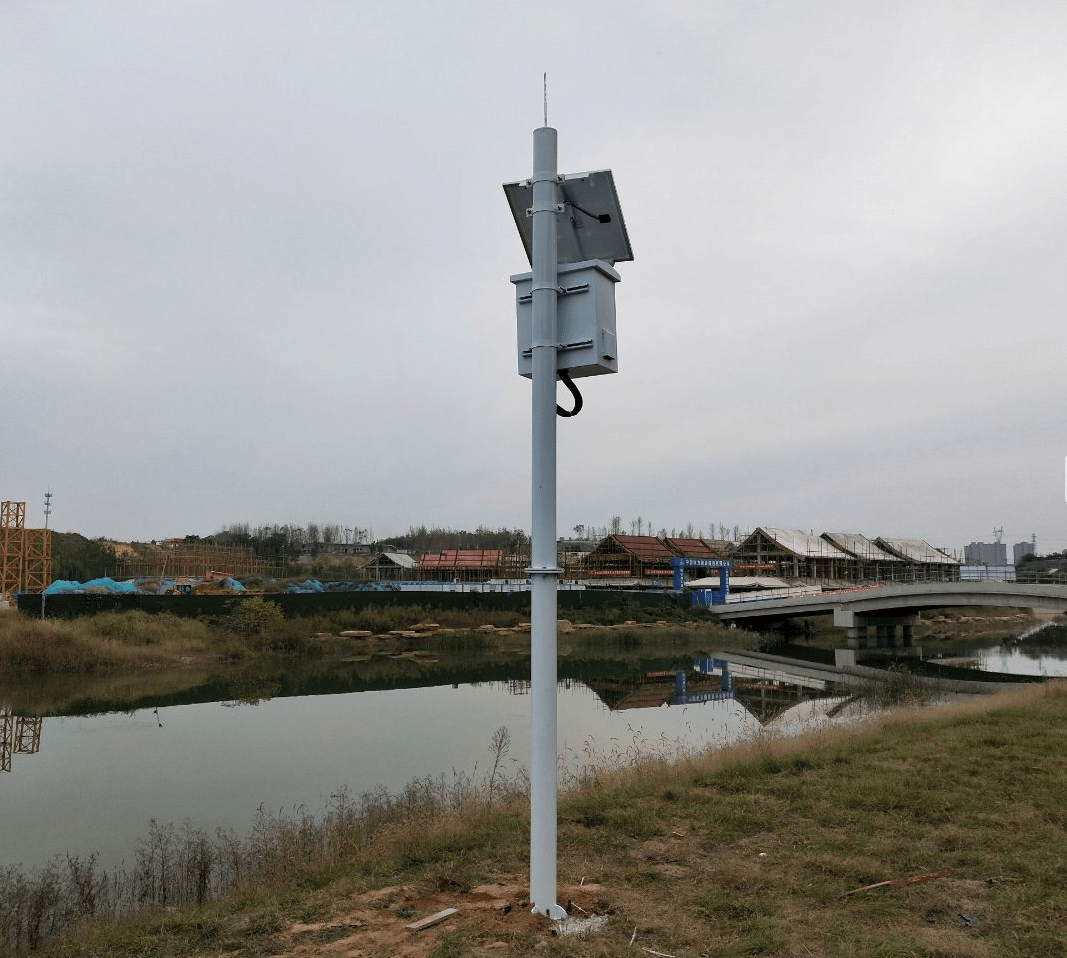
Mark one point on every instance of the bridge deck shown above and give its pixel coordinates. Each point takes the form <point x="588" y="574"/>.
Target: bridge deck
<point x="878" y="601"/>
<point x="795" y="671"/>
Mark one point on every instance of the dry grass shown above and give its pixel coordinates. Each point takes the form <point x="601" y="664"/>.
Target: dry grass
<point x="111" y="640"/>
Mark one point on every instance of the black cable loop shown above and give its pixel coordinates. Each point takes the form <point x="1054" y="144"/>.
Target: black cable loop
<point x="569" y="383"/>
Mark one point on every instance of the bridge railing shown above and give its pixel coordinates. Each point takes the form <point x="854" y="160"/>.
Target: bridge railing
<point x="1041" y="578"/>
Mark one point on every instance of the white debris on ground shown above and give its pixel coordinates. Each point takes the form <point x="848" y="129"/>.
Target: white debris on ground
<point x="582" y="927"/>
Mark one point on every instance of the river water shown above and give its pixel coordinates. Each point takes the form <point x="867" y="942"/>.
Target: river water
<point x="95" y="782"/>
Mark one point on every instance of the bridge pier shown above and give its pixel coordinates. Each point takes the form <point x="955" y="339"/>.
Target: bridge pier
<point x="887" y="636"/>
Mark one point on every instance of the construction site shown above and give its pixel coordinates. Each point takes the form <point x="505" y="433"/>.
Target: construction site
<point x="195" y="560"/>
<point x="767" y="558"/>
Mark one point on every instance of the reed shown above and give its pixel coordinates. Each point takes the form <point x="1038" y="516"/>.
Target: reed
<point x="180" y="867"/>
<point x="110" y="640"/>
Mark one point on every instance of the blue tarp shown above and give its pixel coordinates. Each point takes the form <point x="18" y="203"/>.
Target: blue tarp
<point x="313" y="585"/>
<point x="308" y="585"/>
<point x="60" y="587"/>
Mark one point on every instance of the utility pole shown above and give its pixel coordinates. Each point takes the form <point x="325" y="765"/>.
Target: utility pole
<point x="47" y="513"/>
<point x="569" y="225"/>
<point x="544" y="571"/>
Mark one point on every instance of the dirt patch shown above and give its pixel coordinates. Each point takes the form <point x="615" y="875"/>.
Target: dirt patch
<point x="490" y="917"/>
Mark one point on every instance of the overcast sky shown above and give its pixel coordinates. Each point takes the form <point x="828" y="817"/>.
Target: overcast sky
<point x="255" y="261"/>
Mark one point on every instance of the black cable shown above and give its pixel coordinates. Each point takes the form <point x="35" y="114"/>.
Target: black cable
<point x="600" y="217"/>
<point x="569" y="383"/>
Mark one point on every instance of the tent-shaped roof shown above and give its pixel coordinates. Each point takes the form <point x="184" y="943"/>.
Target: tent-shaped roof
<point x="801" y="543"/>
<point x="692" y="549"/>
<point x="860" y="546"/>
<point x="916" y="550"/>
<point x="645" y="548"/>
<point x="461" y="559"/>
<point x="396" y="558"/>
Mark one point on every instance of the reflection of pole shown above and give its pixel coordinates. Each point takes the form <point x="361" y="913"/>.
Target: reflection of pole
<point x="544" y="573"/>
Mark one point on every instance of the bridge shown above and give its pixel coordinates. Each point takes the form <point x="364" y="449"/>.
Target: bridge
<point x="887" y="608"/>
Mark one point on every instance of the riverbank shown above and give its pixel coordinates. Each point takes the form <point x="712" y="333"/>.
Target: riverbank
<point x="920" y="832"/>
<point x="116" y="661"/>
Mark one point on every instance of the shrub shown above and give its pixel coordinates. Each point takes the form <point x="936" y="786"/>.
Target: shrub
<point x="254" y="617"/>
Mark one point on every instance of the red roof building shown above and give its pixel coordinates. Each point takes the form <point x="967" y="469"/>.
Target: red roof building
<point x="470" y="565"/>
<point x="642" y="557"/>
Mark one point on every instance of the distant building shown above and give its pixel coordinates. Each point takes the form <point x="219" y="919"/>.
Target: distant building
<point x="390" y="566"/>
<point x="630" y="561"/>
<point x="1021" y="549"/>
<point x="792" y="554"/>
<point x="985" y="553"/>
<point x="924" y="560"/>
<point x="983" y="573"/>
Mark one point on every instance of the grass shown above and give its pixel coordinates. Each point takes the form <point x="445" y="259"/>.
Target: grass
<point x="761" y="849"/>
<point x="107" y="641"/>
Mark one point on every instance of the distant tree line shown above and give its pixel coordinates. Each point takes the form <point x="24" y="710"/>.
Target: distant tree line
<point x="1052" y="557"/>
<point x="77" y="559"/>
<point x="282" y="542"/>
<point x="289" y="541"/>
<point x="434" y="539"/>
<point x="641" y="526"/>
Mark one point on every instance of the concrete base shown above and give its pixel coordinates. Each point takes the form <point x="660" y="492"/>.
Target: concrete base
<point x="845" y="658"/>
<point x="848" y="658"/>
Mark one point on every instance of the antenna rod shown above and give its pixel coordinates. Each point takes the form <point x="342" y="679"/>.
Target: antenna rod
<point x="546" y="98"/>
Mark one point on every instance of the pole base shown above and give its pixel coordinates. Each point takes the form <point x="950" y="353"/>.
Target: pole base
<point x="555" y="912"/>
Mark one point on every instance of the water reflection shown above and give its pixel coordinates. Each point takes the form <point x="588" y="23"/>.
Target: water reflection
<point x="102" y="778"/>
<point x="19" y="735"/>
<point x="1023" y="660"/>
<point x="1041" y="650"/>
<point x="196" y="756"/>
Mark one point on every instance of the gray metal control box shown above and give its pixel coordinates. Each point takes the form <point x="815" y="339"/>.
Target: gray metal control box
<point x="585" y="323"/>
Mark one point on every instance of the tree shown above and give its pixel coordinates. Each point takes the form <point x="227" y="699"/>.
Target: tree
<point x="78" y="559"/>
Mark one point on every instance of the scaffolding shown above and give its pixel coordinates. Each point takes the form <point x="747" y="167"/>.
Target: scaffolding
<point x="194" y="560"/>
<point x="36" y="560"/>
<point x="12" y="548"/>
<point x="25" y="554"/>
<point x="471" y="565"/>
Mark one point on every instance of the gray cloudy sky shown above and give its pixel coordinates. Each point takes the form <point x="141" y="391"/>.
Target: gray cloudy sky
<point x="256" y="259"/>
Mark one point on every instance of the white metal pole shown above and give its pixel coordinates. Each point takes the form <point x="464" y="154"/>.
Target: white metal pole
<point x="544" y="573"/>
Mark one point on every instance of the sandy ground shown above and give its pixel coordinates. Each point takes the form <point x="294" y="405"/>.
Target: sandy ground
<point x="376" y="923"/>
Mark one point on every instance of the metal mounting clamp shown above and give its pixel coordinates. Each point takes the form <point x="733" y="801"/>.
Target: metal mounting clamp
<point x="558" y="208"/>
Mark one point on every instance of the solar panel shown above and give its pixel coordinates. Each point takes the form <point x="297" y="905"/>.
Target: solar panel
<point x="589" y="227"/>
